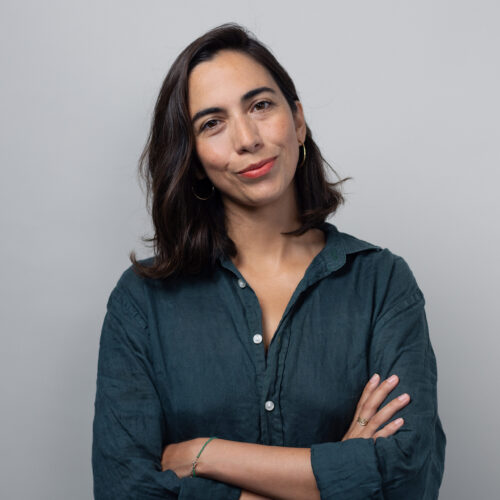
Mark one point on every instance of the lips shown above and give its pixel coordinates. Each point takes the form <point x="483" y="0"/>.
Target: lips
<point x="255" y="166"/>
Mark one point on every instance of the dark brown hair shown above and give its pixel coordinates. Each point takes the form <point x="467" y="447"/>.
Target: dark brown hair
<point x="190" y="234"/>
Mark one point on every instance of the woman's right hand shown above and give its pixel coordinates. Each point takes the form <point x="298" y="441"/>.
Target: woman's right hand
<point x="368" y="410"/>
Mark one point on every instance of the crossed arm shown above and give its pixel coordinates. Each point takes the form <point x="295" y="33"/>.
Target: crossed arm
<point x="129" y="460"/>
<point x="277" y="472"/>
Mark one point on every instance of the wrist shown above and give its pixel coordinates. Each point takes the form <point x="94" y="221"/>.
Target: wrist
<point x="202" y="462"/>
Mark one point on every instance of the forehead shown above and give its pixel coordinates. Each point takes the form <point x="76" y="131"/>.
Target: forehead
<point x="227" y="76"/>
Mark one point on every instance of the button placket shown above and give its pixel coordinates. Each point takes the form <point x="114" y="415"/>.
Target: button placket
<point x="264" y="377"/>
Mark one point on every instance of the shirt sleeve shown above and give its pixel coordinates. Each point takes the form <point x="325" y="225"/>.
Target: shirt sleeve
<point x="129" y="424"/>
<point x="410" y="463"/>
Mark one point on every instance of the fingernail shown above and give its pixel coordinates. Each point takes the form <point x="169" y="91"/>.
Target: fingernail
<point x="398" y="422"/>
<point x="404" y="397"/>
<point x="392" y="379"/>
<point x="375" y="378"/>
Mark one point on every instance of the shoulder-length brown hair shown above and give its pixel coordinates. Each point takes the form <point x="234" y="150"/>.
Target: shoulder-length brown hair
<point x="190" y="234"/>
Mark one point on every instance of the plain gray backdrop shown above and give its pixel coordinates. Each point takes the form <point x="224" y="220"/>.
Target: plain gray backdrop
<point x="403" y="96"/>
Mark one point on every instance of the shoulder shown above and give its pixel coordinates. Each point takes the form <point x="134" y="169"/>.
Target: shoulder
<point x="374" y="257"/>
<point x="385" y="273"/>
<point x="131" y="281"/>
<point x="130" y="294"/>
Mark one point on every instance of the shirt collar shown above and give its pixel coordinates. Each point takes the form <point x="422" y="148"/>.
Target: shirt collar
<point x="334" y="255"/>
<point x="331" y="258"/>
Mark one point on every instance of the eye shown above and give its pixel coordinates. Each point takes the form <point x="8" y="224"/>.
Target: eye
<point x="210" y="124"/>
<point x="262" y="105"/>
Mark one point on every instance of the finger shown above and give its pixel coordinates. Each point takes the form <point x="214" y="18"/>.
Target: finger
<point x="370" y="386"/>
<point x="390" y="429"/>
<point x="377" y="397"/>
<point x="367" y="391"/>
<point x="388" y="411"/>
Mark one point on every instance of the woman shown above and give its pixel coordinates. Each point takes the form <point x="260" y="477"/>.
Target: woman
<point x="261" y="353"/>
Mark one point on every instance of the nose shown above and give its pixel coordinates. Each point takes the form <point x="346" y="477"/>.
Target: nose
<point x="246" y="137"/>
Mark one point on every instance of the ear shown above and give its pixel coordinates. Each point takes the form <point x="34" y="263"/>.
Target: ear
<point x="300" y="122"/>
<point x="200" y="174"/>
<point x="199" y="171"/>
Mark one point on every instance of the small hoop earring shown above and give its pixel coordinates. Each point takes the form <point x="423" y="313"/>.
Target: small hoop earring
<point x="201" y="197"/>
<point x="303" y="154"/>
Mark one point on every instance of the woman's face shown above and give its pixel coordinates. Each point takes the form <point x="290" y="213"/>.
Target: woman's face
<point x="240" y="119"/>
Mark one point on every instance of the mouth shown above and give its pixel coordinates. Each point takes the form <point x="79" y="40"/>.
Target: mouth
<point x="258" y="170"/>
<point x="255" y="166"/>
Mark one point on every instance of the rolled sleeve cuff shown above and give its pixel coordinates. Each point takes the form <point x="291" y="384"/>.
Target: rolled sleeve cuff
<point x="346" y="470"/>
<point x="207" y="489"/>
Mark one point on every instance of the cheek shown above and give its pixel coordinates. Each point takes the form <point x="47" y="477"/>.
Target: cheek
<point x="282" y="130"/>
<point x="212" y="155"/>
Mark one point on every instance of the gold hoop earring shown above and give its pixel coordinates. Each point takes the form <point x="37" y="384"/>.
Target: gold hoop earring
<point x="202" y="198"/>
<point x="303" y="154"/>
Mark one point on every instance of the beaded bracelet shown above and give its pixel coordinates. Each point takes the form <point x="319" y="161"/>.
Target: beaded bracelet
<point x="195" y="461"/>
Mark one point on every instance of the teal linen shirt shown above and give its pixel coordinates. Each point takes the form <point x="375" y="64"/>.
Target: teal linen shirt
<point x="184" y="358"/>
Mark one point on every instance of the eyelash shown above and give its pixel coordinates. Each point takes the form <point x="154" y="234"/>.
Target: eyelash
<point x="264" y="101"/>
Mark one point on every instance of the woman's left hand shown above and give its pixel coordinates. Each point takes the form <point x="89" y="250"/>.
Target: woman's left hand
<point x="179" y="456"/>
<point x="375" y="417"/>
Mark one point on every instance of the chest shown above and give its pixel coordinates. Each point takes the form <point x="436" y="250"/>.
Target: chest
<point x="213" y="377"/>
<point x="274" y="294"/>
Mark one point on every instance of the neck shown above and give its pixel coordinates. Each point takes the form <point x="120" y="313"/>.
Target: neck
<point x="256" y="232"/>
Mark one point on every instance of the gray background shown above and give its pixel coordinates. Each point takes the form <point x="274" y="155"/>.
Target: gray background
<point x="403" y="96"/>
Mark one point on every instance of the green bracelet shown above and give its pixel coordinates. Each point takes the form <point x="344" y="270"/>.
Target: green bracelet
<point x="195" y="461"/>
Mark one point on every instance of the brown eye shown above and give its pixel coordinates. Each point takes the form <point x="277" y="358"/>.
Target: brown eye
<point x="209" y="125"/>
<point x="262" y="105"/>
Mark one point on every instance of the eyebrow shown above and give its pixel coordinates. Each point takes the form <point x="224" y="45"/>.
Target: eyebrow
<point x="245" y="97"/>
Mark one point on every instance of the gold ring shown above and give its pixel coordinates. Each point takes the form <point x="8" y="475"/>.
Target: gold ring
<point x="362" y="421"/>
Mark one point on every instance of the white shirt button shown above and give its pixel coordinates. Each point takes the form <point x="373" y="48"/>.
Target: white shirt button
<point x="257" y="338"/>
<point x="269" y="406"/>
<point x="241" y="283"/>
